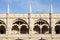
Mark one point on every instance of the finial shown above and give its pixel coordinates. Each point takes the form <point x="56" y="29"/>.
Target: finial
<point x="30" y="9"/>
<point x="51" y="9"/>
<point x="8" y="10"/>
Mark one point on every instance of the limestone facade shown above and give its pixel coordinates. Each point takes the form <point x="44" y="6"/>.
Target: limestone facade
<point x="35" y="26"/>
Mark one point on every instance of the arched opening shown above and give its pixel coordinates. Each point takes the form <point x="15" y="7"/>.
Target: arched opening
<point x="15" y="28"/>
<point x="57" y="29"/>
<point x="24" y="29"/>
<point x="45" y="29"/>
<point x="2" y="29"/>
<point x="37" y="29"/>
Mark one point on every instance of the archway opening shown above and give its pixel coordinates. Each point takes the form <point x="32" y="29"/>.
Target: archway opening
<point x="45" y="29"/>
<point x="2" y="29"/>
<point x="37" y="29"/>
<point x="57" y="29"/>
<point x="24" y="29"/>
<point x="15" y="28"/>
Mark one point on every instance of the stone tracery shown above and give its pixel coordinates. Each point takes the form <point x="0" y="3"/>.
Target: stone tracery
<point x="22" y="28"/>
<point x="42" y="27"/>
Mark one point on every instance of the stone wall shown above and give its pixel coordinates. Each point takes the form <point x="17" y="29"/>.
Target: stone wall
<point x="30" y="19"/>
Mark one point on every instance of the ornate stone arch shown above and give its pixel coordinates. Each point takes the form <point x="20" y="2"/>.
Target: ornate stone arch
<point x="20" y="22"/>
<point x="24" y="29"/>
<point x="43" y="24"/>
<point x="57" y="27"/>
<point x="3" y="27"/>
